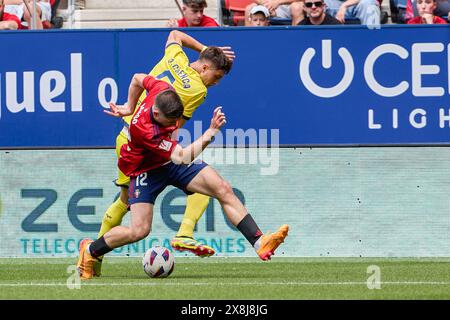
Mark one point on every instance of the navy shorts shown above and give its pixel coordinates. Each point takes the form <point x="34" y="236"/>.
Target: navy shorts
<point x="148" y="185"/>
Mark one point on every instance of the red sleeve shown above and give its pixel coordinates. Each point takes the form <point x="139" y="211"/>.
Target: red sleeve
<point x="161" y="149"/>
<point x="149" y="82"/>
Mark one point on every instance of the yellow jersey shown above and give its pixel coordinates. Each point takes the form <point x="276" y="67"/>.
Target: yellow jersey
<point x="174" y="69"/>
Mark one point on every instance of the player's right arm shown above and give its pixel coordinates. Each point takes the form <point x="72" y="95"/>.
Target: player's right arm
<point x="134" y="91"/>
<point x="188" y="154"/>
<point x="184" y="40"/>
<point x="187" y="41"/>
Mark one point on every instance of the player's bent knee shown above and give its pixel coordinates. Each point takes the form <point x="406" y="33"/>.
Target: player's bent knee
<point x="139" y="234"/>
<point x="223" y="191"/>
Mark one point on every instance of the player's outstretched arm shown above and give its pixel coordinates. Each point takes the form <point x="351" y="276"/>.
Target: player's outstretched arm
<point x="187" y="155"/>
<point x="184" y="40"/>
<point x="134" y="91"/>
<point x="187" y="41"/>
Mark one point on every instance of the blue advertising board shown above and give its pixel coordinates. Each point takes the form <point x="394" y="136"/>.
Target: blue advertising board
<point x="344" y="85"/>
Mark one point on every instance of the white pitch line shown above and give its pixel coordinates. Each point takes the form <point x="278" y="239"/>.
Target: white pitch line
<point x="222" y="284"/>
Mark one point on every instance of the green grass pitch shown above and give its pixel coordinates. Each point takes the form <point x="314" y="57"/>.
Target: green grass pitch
<point x="232" y="278"/>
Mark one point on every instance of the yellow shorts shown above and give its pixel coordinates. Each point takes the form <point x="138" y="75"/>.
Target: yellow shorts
<point x="122" y="180"/>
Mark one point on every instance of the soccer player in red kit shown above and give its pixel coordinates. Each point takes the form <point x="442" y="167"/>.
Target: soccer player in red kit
<point x="154" y="160"/>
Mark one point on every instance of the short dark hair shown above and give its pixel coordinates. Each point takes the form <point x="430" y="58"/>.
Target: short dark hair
<point x="195" y="3"/>
<point x="217" y="57"/>
<point x="169" y="103"/>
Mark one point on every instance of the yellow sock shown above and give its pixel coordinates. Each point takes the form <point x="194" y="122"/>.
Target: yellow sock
<point x="196" y="204"/>
<point x="113" y="216"/>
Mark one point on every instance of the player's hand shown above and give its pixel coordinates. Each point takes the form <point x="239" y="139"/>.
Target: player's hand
<point x="218" y="119"/>
<point x="118" y="110"/>
<point x="172" y="23"/>
<point x="229" y="53"/>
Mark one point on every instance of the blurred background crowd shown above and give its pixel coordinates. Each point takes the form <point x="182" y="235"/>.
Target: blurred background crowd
<point x="69" y="14"/>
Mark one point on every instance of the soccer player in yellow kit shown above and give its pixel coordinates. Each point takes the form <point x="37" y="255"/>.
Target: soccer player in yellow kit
<point x="190" y="81"/>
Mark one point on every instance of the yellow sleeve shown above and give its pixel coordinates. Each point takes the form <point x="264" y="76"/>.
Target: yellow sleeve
<point x="175" y="51"/>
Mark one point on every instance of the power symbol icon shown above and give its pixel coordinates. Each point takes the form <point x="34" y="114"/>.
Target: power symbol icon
<point x="313" y="87"/>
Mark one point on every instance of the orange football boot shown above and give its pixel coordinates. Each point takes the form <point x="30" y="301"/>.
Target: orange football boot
<point x="271" y="241"/>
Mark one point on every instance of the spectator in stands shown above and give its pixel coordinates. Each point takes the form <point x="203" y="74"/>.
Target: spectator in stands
<point x="284" y="9"/>
<point x="259" y="16"/>
<point x="442" y="9"/>
<point x="367" y="11"/>
<point x="8" y="21"/>
<point x="193" y="16"/>
<point x="43" y="13"/>
<point x="315" y="14"/>
<point x="24" y="10"/>
<point x="426" y="10"/>
<point x="15" y="7"/>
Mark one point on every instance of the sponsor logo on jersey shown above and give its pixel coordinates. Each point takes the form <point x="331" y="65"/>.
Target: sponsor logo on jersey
<point x="165" y="145"/>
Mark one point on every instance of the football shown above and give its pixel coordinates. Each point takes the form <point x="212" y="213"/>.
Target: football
<point x="158" y="262"/>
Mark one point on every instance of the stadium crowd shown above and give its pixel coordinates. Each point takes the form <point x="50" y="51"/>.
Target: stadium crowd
<point x="321" y="12"/>
<point x="16" y="14"/>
